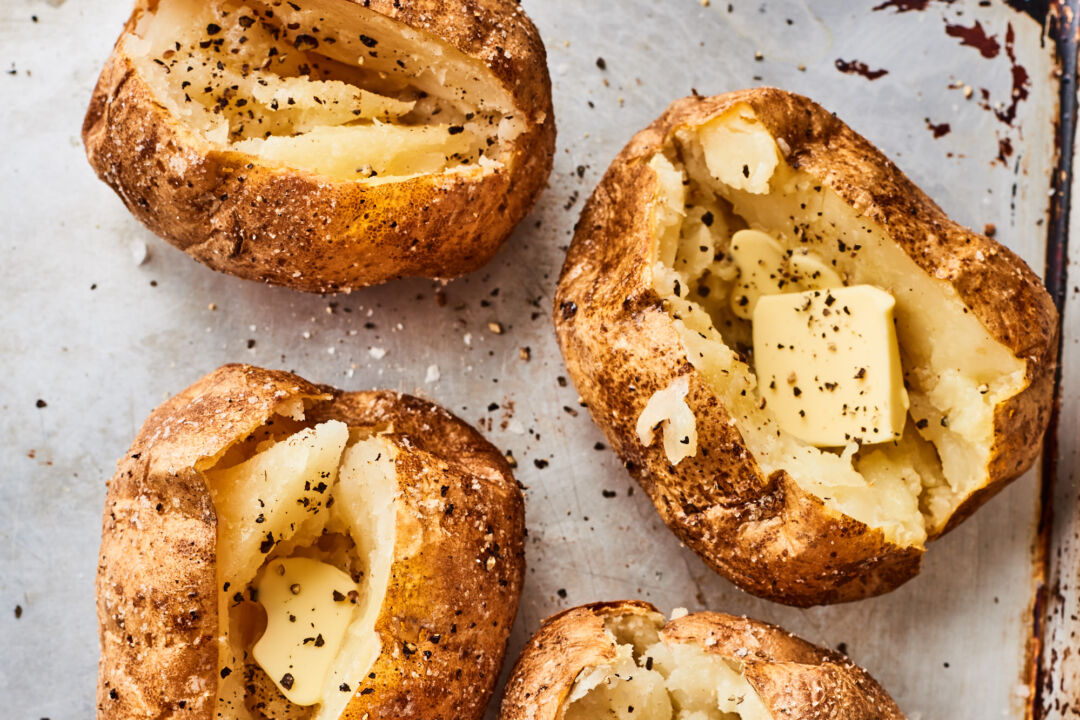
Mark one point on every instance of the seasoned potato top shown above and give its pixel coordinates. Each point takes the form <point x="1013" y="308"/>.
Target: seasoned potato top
<point x="324" y="85"/>
<point x="735" y="219"/>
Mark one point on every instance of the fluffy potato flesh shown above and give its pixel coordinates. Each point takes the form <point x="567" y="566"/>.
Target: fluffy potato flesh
<point x="326" y="86"/>
<point x="325" y="493"/>
<point x="659" y="681"/>
<point x="730" y="175"/>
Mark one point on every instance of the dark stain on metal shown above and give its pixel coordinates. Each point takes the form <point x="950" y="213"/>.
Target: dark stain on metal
<point x="1037" y="9"/>
<point x="939" y="130"/>
<point x="854" y="67"/>
<point x="1020" y="80"/>
<point x="1034" y="649"/>
<point x="902" y="6"/>
<point x="976" y="37"/>
<point x="1005" y="150"/>
<point x="1020" y="89"/>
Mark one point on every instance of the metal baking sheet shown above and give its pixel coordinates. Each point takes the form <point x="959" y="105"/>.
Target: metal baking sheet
<point x="100" y="321"/>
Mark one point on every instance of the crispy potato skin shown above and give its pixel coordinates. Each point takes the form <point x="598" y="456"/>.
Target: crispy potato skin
<point x="764" y="533"/>
<point x="454" y="582"/>
<point x="299" y="229"/>
<point x="793" y="678"/>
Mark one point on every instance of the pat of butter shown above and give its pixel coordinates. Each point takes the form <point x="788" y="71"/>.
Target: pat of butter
<point x="759" y="258"/>
<point x="828" y="365"/>
<point x="766" y="268"/>
<point x="811" y="273"/>
<point x="309" y="606"/>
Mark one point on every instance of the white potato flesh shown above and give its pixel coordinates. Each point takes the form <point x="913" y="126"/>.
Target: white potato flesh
<point x="267" y="498"/>
<point x="324" y="482"/>
<point x="324" y="86"/>
<point x="955" y="373"/>
<point x="366" y="493"/>
<point x="667" y="410"/>
<point x="738" y="155"/>
<point x="368" y="151"/>
<point x="659" y="681"/>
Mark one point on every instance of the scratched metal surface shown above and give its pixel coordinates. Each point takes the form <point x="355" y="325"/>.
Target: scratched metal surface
<point x="1059" y="689"/>
<point x="1058" y="686"/>
<point x="100" y="339"/>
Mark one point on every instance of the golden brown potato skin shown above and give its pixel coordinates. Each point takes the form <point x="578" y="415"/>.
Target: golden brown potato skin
<point x="765" y="534"/>
<point x="454" y="583"/>
<point x="793" y="678"/>
<point x="330" y="235"/>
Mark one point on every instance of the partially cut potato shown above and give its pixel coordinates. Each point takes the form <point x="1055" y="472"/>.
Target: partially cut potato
<point x="622" y="661"/>
<point x="341" y="555"/>
<point x="306" y="496"/>
<point x="908" y="488"/>
<point x="351" y="127"/>
<point x="294" y="86"/>
<point x="727" y="200"/>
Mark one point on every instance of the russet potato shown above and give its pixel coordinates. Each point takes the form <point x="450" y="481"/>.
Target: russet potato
<point x="623" y="661"/>
<point x="654" y="319"/>
<point x="326" y="145"/>
<point x="401" y="505"/>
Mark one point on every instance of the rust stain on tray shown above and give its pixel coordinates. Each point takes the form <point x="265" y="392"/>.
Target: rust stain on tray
<point x="1005" y="150"/>
<point x="1021" y="82"/>
<point x="938" y="129"/>
<point x="976" y="37"/>
<point x="902" y="6"/>
<point x="1037" y="9"/>
<point x="854" y="67"/>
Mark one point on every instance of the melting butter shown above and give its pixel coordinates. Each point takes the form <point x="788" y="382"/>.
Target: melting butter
<point x="828" y="365"/>
<point x="765" y="268"/>
<point x="309" y="607"/>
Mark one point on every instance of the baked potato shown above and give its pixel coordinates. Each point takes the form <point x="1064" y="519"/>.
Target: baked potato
<point x="621" y="661"/>
<point x="273" y="549"/>
<point x="899" y="374"/>
<point x="326" y="145"/>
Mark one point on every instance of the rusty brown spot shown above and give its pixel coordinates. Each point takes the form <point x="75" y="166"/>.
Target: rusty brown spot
<point x="902" y="6"/>
<point x="1005" y="150"/>
<point x="854" y="67"/>
<point x="939" y="130"/>
<point x="976" y="37"/>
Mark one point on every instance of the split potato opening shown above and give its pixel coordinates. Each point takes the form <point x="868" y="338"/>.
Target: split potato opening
<point x="658" y="680"/>
<point x="305" y="541"/>
<point x="840" y="360"/>
<point x="326" y="86"/>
